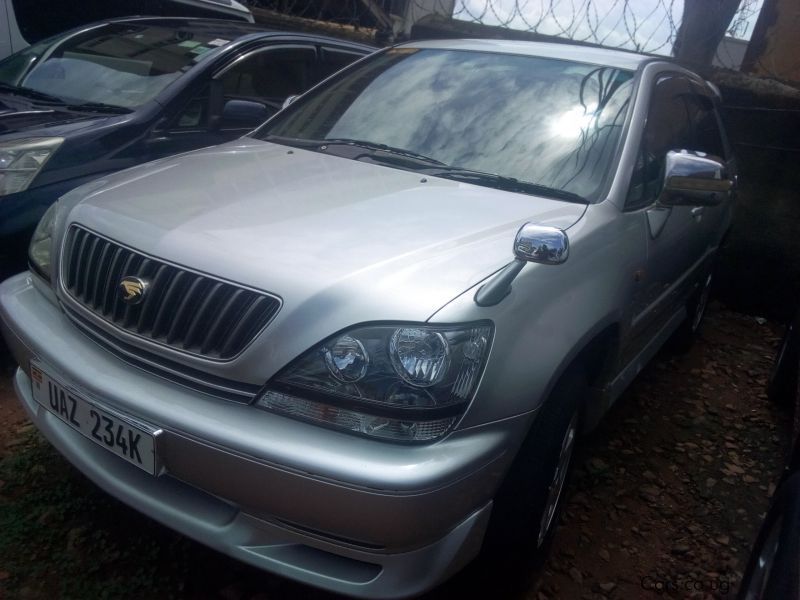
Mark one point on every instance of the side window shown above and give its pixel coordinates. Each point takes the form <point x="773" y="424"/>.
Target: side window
<point x="332" y="61"/>
<point x="195" y="114"/>
<point x="707" y="133"/>
<point x="667" y="128"/>
<point x="270" y="76"/>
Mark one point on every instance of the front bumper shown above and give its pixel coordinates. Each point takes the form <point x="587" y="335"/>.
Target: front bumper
<point x="347" y="514"/>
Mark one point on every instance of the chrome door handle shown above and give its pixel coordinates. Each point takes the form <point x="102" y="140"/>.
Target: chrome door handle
<point x="697" y="212"/>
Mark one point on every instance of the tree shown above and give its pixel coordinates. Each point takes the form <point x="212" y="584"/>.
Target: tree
<point x="703" y="26"/>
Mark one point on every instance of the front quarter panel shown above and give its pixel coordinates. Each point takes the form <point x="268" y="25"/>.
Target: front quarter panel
<point x="552" y="313"/>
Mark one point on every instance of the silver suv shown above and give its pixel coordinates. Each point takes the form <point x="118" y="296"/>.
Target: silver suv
<point x="358" y="345"/>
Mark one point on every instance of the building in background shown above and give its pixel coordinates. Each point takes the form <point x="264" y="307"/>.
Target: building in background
<point x="774" y="49"/>
<point x="730" y="53"/>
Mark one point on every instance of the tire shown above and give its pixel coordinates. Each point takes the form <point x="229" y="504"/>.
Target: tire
<point x="529" y="501"/>
<point x="773" y="571"/>
<point x="783" y="380"/>
<point x="687" y="332"/>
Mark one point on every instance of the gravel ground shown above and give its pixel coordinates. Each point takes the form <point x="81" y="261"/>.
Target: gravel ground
<point x="673" y="486"/>
<point x="666" y="499"/>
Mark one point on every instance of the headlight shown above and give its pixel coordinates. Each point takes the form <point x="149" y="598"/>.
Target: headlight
<point x="400" y="383"/>
<point x="41" y="247"/>
<point x="21" y="160"/>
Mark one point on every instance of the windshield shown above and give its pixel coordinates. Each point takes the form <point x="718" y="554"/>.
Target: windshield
<point x="549" y="122"/>
<point x="122" y="65"/>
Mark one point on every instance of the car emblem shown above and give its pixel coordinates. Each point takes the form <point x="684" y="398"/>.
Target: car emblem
<point x="132" y="289"/>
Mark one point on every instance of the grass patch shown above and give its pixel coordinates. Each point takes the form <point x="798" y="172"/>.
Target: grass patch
<point x="62" y="537"/>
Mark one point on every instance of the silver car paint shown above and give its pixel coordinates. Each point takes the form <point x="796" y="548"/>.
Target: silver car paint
<point x="342" y="243"/>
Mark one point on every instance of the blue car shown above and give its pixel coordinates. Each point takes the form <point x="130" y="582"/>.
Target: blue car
<point x="122" y="92"/>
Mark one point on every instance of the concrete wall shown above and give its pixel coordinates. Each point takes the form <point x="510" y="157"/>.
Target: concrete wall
<point x="759" y="268"/>
<point x="774" y="49"/>
<point x="415" y="10"/>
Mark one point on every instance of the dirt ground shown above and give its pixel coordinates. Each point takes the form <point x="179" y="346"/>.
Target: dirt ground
<point x="666" y="500"/>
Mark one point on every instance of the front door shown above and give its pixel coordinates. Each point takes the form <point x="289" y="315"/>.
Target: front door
<point x="248" y="91"/>
<point x="245" y="93"/>
<point x="675" y="236"/>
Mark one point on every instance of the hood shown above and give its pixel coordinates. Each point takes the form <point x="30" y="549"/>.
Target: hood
<point x="331" y="236"/>
<point x="26" y="118"/>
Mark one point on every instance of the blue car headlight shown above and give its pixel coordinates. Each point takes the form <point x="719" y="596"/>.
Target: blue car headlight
<point x="21" y="161"/>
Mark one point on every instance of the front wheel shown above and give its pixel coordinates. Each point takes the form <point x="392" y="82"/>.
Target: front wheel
<point x="528" y="504"/>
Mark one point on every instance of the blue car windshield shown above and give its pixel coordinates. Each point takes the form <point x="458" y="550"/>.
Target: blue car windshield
<point x="118" y="64"/>
<point x="521" y="122"/>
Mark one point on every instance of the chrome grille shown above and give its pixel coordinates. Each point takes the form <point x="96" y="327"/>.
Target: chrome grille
<point x="182" y="309"/>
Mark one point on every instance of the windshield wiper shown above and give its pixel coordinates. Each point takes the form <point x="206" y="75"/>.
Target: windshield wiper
<point x="384" y="148"/>
<point x="99" y="107"/>
<point x="373" y="147"/>
<point x="409" y="159"/>
<point x="29" y="93"/>
<point x="56" y="101"/>
<point x="508" y="184"/>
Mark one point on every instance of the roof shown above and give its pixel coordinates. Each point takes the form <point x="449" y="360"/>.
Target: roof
<point x="619" y="59"/>
<point x="229" y="29"/>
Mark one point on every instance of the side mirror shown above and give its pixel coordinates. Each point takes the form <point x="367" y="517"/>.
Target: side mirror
<point x="542" y="244"/>
<point x="289" y="100"/>
<point x="534" y="243"/>
<point x="692" y="179"/>
<point x="243" y="113"/>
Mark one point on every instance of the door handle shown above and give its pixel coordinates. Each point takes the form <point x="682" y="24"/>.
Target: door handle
<point x="697" y="212"/>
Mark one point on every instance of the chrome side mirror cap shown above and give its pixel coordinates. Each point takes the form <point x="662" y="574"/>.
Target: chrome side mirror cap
<point x="694" y="179"/>
<point x="541" y="244"/>
<point x="534" y="243"/>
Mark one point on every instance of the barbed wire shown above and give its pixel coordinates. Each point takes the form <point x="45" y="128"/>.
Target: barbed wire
<point x="641" y="25"/>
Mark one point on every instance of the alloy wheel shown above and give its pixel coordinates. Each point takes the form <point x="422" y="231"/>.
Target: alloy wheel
<point x="559" y="478"/>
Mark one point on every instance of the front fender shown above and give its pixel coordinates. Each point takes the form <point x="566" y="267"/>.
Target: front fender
<point x="552" y="314"/>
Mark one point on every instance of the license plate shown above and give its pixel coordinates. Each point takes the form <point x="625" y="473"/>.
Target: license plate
<point x="115" y="433"/>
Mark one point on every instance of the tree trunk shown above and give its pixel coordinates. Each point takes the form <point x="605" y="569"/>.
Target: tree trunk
<point x="703" y="26"/>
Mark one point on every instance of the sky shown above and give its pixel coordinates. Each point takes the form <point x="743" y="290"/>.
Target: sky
<point x="644" y="25"/>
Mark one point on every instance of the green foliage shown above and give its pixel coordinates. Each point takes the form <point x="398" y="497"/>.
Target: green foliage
<point x="61" y="537"/>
